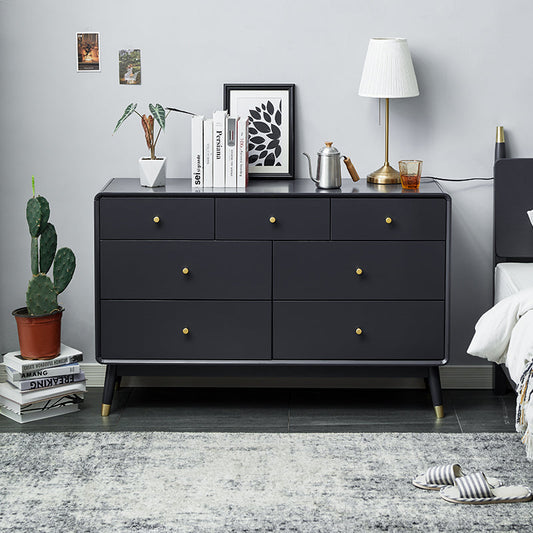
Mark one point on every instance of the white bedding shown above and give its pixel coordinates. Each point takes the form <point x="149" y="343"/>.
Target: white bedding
<point x="510" y="278"/>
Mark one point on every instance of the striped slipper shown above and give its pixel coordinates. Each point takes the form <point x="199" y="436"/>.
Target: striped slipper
<point x="437" y="477"/>
<point x="476" y="490"/>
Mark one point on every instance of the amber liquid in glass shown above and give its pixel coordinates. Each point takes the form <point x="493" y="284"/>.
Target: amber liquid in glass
<point x="410" y="181"/>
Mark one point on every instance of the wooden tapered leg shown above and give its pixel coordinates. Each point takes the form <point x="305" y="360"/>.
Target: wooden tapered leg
<point x="109" y="388"/>
<point x="435" y="390"/>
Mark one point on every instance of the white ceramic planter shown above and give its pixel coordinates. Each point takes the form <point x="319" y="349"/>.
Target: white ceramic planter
<point x="153" y="172"/>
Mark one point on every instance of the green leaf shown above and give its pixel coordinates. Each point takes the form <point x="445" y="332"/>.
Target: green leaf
<point x="64" y="266"/>
<point x="47" y="247"/>
<point x="33" y="216"/>
<point x="159" y="114"/>
<point x="128" y="111"/>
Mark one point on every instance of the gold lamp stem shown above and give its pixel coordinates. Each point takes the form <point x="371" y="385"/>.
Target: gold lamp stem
<point x="386" y="174"/>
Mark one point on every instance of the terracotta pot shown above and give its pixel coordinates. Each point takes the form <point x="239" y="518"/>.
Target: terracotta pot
<point x="39" y="336"/>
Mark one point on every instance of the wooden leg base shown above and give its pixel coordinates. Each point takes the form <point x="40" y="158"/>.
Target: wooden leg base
<point x="105" y="409"/>
<point x="439" y="411"/>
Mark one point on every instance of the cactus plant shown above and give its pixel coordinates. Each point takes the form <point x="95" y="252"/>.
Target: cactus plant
<point x="41" y="296"/>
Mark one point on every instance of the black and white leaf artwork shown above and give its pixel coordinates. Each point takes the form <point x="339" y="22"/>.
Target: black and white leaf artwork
<point x="264" y="143"/>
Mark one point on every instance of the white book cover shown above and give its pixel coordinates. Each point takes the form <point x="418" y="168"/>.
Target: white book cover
<point x="219" y="148"/>
<point x="42" y="405"/>
<point x="22" y="418"/>
<point x="231" y="152"/>
<point x="47" y="382"/>
<point x="66" y="355"/>
<point x="242" y="152"/>
<point x="208" y="152"/>
<point x="62" y="370"/>
<point x="7" y="390"/>
<point x="197" y="151"/>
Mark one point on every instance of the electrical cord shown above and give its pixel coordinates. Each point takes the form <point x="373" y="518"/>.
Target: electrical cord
<point x="458" y="179"/>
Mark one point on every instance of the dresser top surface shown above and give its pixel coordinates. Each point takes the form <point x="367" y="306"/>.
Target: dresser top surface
<point x="297" y="187"/>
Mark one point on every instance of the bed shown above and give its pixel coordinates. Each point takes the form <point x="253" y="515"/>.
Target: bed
<point x="504" y="334"/>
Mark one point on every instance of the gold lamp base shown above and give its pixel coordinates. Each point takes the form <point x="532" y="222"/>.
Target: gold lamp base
<point x="385" y="175"/>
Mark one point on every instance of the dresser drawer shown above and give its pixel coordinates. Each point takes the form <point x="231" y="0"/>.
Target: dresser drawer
<point x="154" y="330"/>
<point x="156" y="218"/>
<point x="388" y="219"/>
<point x="388" y="330"/>
<point x="272" y="218"/>
<point x="359" y="270"/>
<point x="185" y="270"/>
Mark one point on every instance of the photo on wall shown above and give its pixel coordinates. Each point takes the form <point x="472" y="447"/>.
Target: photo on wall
<point x="270" y="112"/>
<point x="129" y="67"/>
<point x="88" y="46"/>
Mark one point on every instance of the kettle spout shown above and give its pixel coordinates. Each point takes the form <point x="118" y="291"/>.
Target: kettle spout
<point x="310" y="169"/>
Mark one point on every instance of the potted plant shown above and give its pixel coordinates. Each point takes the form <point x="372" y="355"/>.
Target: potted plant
<point x="39" y="323"/>
<point x="152" y="169"/>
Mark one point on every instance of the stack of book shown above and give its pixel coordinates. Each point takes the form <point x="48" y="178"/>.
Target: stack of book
<point x="219" y="151"/>
<point x="37" y="389"/>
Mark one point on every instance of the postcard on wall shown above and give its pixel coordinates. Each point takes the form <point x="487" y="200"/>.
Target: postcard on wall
<point x="129" y="67"/>
<point x="88" y="52"/>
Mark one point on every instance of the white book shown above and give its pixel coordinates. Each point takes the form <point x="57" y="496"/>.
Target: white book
<point x="22" y="418"/>
<point x="62" y="370"/>
<point x="219" y="148"/>
<point x="7" y="390"/>
<point x="231" y="152"/>
<point x="66" y="355"/>
<point x="208" y="152"/>
<point x="42" y="405"/>
<point x="197" y="151"/>
<point x="242" y="152"/>
<point x="47" y="382"/>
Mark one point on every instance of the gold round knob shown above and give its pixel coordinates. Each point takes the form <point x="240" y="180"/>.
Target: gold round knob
<point x="272" y="220"/>
<point x="359" y="271"/>
<point x="185" y="270"/>
<point x="359" y="331"/>
<point x="156" y="220"/>
<point x="388" y="220"/>
<point x="185" y="331"/>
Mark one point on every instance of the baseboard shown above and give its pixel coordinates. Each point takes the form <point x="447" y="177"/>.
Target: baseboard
<point x="452" y="377"/>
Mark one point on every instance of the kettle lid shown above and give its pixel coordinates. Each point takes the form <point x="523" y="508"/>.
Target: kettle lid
<point x="328" y="150"/>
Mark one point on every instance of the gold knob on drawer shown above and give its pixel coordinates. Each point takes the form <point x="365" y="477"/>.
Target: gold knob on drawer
<point x="185" y="331"/>
<point x="359" y="331"/>
<point x="388" y="220"/>
<point x="272" y="220"/>
<point x="156" y="220"/>
<point x="185" y="270"/>
<point x="359" y="271"/>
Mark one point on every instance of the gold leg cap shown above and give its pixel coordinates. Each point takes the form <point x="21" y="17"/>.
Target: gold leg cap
<point x="105" y="409"/>
<point x="439" y="411"/>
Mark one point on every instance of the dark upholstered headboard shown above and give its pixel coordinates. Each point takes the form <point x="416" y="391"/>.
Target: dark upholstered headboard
<point x="513" y="197"/>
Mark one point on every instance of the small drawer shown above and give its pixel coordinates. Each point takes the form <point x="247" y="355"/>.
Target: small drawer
<point x="185" y="270"/>
<point x="388" y="219"/>
<point x="360" y="270"/>
<point x="156" y="218"/>
<point x="359" y="330"/>
<point x="272" y="218"/>
<point x="167" y="329"/>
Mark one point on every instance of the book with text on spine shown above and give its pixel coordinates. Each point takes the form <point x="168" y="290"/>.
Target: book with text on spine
<point x="47" y="382"/>
<point x="22" y="418"/>
<point x="208" y="152"/>
<point x="66" y="356"/>
<point x="62" y="370"/>
<point x="8" y="391"/>
<point x="219" y="148"/>
<point x="231" y="152"/>
<point x="242" y="152"/>
<point x="197" y="151"/>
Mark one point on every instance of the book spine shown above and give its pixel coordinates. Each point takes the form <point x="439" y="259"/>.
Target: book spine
<point x="44" y="383"/>
<point x="43" y="405"/>
<point x="7" y="390"/>
<point x="231" y="152"/>
<point x="242" y="152"/>
<point x="13" y="375"/>
<point x="197" y="149"/>
<point x="219" y="146"/>
<point x="23" y="366"/>
<point x="208" y="152"/>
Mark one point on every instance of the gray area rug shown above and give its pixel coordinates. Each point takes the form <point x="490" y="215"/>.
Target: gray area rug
<point x="224" y="482"/>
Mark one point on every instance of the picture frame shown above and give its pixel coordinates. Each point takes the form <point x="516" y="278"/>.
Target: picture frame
<point x="270" y="111"/>
<point x="88" y="51"/>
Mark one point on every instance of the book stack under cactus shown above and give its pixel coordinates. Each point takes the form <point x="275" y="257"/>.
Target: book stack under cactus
<point x="37" y="389"/>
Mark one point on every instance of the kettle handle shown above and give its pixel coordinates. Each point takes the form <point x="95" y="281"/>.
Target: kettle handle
<point x="351" y="168"/>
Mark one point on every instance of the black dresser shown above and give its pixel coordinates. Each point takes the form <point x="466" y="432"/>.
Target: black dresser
<point x="278" y="280"/>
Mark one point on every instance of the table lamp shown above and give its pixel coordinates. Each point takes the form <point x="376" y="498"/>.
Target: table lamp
<point x="387" y="73"/>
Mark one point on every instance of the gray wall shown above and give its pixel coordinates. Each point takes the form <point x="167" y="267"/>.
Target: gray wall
<point x="472" y="60"/>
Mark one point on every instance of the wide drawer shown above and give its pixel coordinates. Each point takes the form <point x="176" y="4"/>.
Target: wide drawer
<point x="156" y="218"/>
<point x="359" y="270"/>
<point x="387" y="330"/>
<point x="185" y="330"/>
<point x="272" y="218"/>
<point x="185" y="270"/>
<point x="388" y="219"/>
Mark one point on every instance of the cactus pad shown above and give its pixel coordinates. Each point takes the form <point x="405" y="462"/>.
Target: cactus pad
<point x="34" y="256"/>
<point x="45" y="211"/>
<point x="41" y="297"/>
<point x="48" y="248"/>
<point x="34" y="216"/>
<point x="64" y="266"/>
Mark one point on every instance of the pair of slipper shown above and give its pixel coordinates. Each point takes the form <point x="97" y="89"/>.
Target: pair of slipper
<point x="474" y="489"/>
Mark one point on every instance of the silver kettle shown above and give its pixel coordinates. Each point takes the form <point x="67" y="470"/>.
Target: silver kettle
<point x="328" y="172"/>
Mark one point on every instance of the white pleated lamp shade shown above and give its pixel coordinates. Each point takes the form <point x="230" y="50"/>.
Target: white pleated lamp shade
<point x="388" y="71"/>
